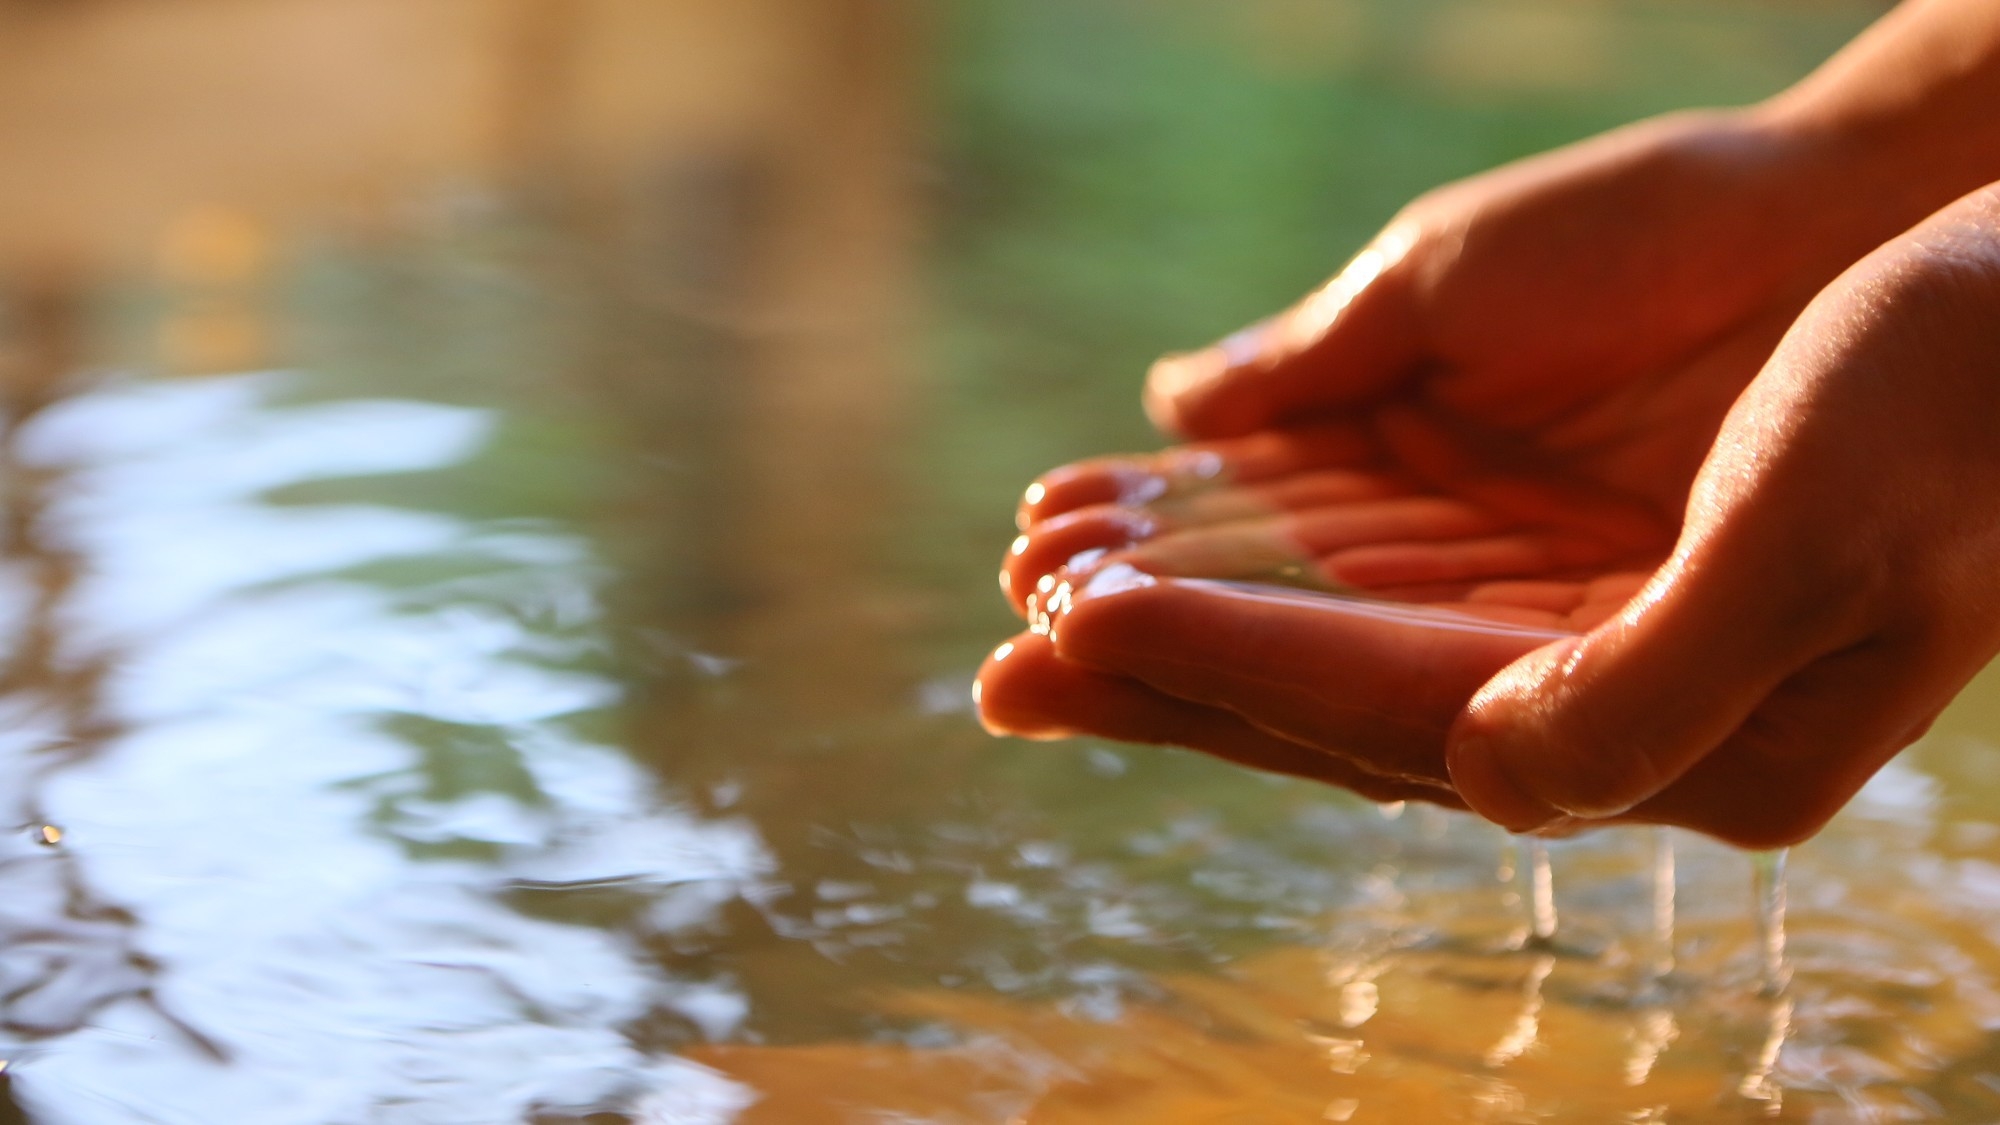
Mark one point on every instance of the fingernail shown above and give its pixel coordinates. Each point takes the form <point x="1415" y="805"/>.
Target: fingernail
<point x="1050" y="599"/>
<point x="1245" y="345"/>
<point x="1139" y="526"/>
<point x="1188" y="470"/>
<point x="1116" y="579"/>
<point x="1056" y="594"/>
<point x="1138" y="489"/>
<point x="1177" y="375"/>
<point x="1084" y="563"/>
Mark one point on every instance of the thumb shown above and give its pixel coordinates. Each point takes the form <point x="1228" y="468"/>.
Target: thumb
<point x="1590" y="726"/>
<point x="1348" y="339"/>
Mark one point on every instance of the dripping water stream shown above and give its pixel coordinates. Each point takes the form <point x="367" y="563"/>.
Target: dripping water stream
<point x="1539" y="895"/>
<point x="1767" y="872"/>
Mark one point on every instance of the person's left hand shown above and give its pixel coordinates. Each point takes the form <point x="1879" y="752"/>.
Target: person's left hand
<point x="1133" y="637"/>
<point x="1830" y="585"/>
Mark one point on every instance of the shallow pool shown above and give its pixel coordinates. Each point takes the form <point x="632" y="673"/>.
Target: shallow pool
<point x="500" y="512"/>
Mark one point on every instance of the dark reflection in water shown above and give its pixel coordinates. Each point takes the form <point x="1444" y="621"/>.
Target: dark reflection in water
<point x="496" y="541"/>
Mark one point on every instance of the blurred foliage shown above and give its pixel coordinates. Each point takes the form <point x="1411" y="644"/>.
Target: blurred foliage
<point x="1121" y="178"/>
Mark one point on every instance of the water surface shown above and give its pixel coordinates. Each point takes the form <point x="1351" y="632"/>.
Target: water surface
<point x="491" y="594"/>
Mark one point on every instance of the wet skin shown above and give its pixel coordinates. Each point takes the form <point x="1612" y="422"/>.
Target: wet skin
<point x="1390" y="575"/>
<point x="1692" y="515"/>
<point x="1740" y="672"/>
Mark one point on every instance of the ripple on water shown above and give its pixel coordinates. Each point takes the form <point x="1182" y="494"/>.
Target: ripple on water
<point x="295" y="841"/>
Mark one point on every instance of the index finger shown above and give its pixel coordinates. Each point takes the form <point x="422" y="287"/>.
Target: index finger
<point x="1377" y="682"/>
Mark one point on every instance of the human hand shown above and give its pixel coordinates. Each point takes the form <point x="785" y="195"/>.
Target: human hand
<point x="1828" y="593"/>
<point x="1356" y="692"/>
<point x="1833" y="586"/>
<point x="1584" y="320"/>
<point x="1487" y="414"/>
<point x="1564" y="284"/>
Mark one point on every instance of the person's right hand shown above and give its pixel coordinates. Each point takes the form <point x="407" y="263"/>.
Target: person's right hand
<point x="1830" y="589"/>
<point x="1521" y="375"/>
<point x="1500" y="409"/>
<point x="1542" y="355"/>
<point x="1583" y="318"/>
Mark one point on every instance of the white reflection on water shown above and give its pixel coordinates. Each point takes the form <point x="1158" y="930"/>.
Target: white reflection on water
<point x="240" y="923"/>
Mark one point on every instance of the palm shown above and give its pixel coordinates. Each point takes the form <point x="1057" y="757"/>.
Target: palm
<point x="1415" y="501"/>
<point x="1499" y="536"/>
<point x="1489" y="427"/>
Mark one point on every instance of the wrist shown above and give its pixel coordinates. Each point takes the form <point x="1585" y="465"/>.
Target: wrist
<point x="1790" y="205"/>
<point x="1843" y="186"/>
<point x="1901" y="122"/>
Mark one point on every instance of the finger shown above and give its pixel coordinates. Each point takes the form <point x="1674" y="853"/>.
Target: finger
<point x="1349" y="340"/>
<point x="1502" y="556"/>
<point x="1292" y="544"/>
<point x="1322" y="488"/>
<point x="1375" y="682"/>
<point x="1593" y="725"/>
<point x="1052" y="544"/>
<point x="1127" y="481"/>
<point x="1510" y="481"/>
<point x="1808" y="748"/>
<point x="1026" y="690"/>
<point x="1575" y="605"/>
<point x="1550" y="596"/>
<point x="1136" y="479"/>
<point x="1509" y="614"/>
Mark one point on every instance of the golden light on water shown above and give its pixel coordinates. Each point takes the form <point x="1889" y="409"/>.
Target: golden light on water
<point x="404" y="404"/>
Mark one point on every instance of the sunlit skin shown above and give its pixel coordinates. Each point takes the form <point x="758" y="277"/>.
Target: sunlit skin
<point x="1687" y="392"/>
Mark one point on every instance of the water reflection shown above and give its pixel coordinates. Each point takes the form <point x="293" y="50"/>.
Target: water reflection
<point x="348" y="818"/>
<point x="1394" y="1016"/>
<point x="284" y="789"/>
<point x="542" y="700"/>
